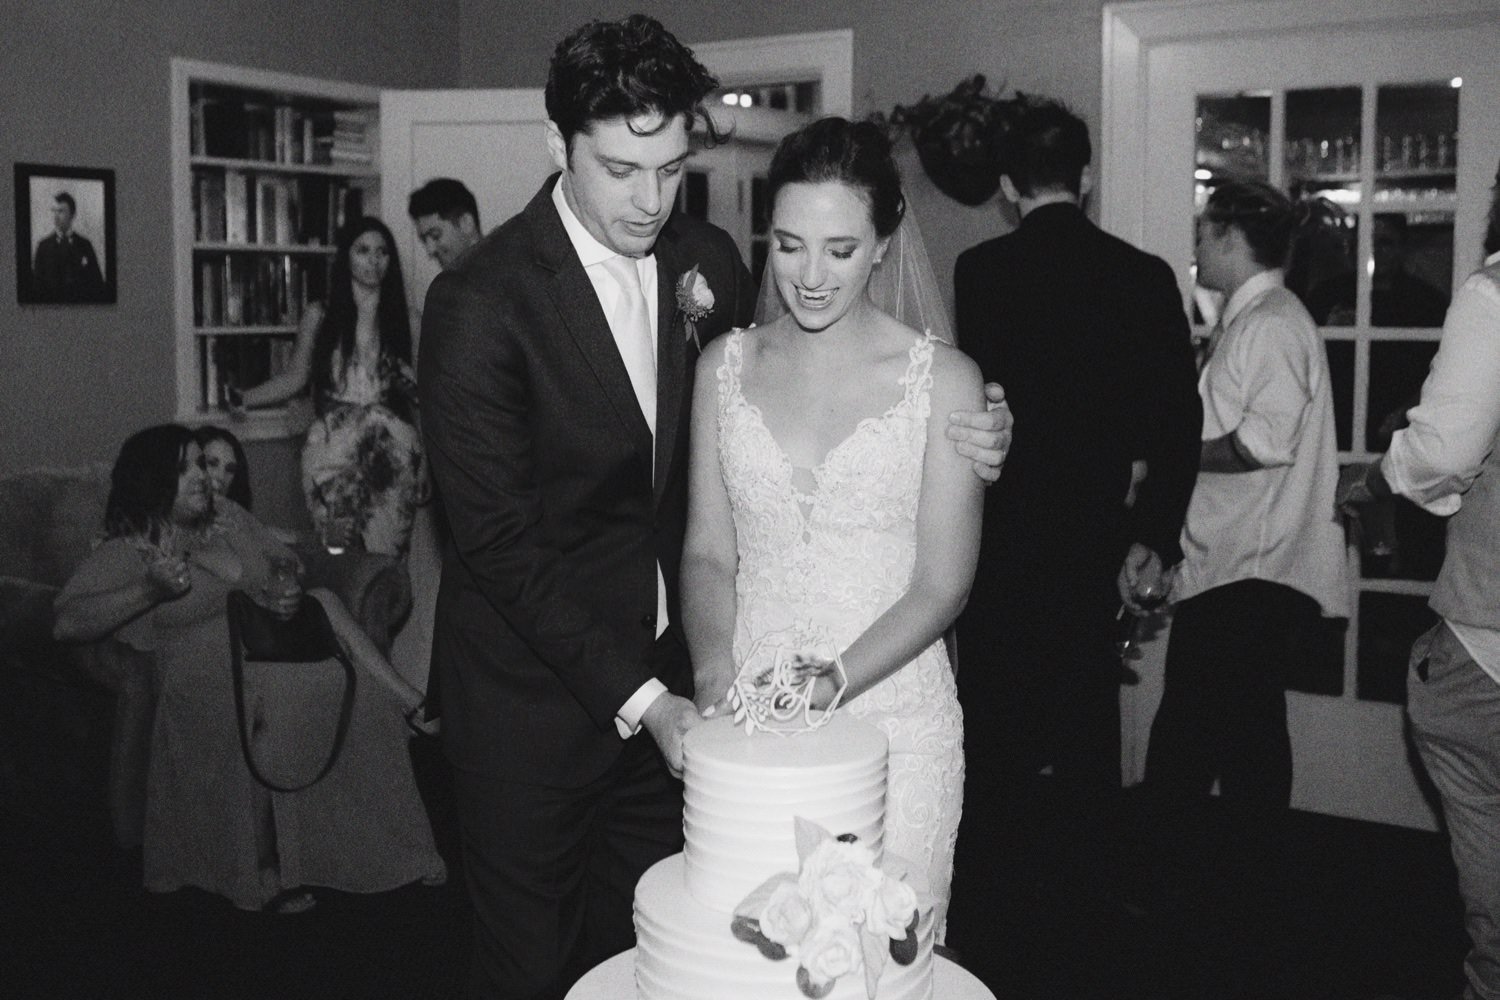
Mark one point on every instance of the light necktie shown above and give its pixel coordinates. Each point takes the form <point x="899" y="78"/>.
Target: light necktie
<point x="632" y="329"/>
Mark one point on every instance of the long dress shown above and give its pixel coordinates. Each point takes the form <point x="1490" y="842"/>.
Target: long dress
<point x="362" y="460"/>
<point x="829" y="562"/>
<point x="362" y="828"/>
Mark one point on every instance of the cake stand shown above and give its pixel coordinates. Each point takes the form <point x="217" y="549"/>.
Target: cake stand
<point x="615" y="980"/>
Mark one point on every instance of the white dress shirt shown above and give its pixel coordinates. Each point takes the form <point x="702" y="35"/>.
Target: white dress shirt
<point x="1435" y="460"/>
<point x="1267" y="383"/>
<point x="592" y="254"/>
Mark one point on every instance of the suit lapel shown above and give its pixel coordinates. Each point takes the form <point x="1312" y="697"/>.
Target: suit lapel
<point x="671" y="359"/>
<point x="578" y="306"/>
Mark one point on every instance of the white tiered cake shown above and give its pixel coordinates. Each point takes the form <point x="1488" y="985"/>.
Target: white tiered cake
<point x="743" y="794"/>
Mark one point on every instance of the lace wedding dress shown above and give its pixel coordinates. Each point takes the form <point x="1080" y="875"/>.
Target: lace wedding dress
<point x="826" y="551"/>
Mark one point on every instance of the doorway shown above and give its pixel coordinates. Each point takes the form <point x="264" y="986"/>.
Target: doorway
<point x="1353" y="105"/>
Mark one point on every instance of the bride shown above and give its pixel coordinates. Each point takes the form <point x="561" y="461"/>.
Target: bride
<point x="823" y="500"/>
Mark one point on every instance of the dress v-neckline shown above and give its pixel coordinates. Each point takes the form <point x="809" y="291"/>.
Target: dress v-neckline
<point x="906" y="382"/>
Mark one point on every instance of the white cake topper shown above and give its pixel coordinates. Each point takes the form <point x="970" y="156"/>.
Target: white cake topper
<point x="776" y="697"/>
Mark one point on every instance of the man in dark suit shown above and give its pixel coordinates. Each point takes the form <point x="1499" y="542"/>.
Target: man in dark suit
<point x="556" y="629"/>
<point x="561" y="459"/>
<point x="65" y="268"/>
<point x="1091" y="339"/>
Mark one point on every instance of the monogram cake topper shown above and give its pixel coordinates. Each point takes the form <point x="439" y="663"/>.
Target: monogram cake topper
<point x="774" y="688"/>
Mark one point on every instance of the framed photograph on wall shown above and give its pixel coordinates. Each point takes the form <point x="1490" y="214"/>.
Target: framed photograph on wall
<point x="65" y="235"/>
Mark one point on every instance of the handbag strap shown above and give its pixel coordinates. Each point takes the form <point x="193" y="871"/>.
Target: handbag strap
<point x="237" y="671"/>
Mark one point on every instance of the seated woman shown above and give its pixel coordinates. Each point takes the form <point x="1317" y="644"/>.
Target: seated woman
<point x="159" y="583"/>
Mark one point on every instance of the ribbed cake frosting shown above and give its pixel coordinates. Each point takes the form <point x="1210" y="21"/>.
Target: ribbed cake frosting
<point x="742" y="793"/>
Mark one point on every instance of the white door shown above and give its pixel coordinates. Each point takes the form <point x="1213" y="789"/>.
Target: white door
<point x="1394" y="128"/>
<point x="492" y="140"/>
<point x="726" y="185"/>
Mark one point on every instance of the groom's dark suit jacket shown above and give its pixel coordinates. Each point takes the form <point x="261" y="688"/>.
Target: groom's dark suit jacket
<point x="1089" y="337"/>
<point x="546" y="614"/>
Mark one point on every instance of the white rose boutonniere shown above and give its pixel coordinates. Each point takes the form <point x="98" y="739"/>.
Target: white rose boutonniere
<point x="695" y="300"/>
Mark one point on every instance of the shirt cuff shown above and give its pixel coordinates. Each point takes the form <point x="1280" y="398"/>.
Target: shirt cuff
<point x="1258" y="438"/>
<point x="1402" y="482"/>
<point x="628" y="718"/>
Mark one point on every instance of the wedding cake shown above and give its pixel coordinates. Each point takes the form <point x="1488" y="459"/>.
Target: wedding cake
<point x="783" y="889"/>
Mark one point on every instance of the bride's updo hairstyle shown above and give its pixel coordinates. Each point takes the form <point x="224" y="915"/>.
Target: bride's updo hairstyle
<point x="853" y="153"/>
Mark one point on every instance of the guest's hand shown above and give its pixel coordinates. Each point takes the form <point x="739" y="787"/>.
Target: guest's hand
<point x="668" y="720"/>
<point x="170" y="575"/>
<point x="234" y="403"/>
<point x="984" y="437"/>
<point x="1143" y="585"/>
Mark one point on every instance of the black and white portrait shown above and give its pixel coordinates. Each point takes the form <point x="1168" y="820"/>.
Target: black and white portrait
<point x="65" y="235"/>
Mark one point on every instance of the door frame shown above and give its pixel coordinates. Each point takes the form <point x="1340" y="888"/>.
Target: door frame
<point x="827" y="56"/>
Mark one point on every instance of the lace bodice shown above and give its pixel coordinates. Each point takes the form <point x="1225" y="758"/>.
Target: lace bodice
<point x="833" y="548"/>
<point x="823" y="552"/>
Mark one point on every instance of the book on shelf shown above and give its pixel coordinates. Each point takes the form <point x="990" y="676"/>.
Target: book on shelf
<point x="235" y="289"/>
<point x="253" y="126"/>
<point x="236" y="207"/>
<point x="243" y="207"/>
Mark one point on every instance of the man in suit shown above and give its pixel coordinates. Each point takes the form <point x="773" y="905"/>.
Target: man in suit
<point x="1092" y="341"/>
<point x="65" y="268"/>
<point x="555" y="378"/>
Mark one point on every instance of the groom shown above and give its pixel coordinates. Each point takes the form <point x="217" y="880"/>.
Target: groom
<point x="556" y="362"/>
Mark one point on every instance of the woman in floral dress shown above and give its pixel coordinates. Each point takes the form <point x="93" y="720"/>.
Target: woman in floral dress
<point x="363" y="471"/>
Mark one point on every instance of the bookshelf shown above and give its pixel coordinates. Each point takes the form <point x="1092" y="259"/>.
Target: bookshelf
<point x="265" y="168"/>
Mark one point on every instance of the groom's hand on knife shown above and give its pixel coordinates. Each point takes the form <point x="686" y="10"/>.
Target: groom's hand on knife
<point x="668" y="720"/>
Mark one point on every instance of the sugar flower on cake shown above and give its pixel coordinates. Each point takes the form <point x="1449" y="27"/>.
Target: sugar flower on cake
<point x="838" y="915"/>
<point x="840" y="878"/>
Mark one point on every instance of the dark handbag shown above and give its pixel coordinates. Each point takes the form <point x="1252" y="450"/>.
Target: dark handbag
<point x="256" y="635"/>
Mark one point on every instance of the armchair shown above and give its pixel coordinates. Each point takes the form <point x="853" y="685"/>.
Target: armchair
<point x="75" y="719"/>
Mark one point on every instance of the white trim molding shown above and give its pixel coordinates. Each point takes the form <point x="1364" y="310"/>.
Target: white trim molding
<point x="826" y="56"/>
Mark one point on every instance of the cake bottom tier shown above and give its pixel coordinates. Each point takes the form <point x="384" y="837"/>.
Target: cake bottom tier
<point x="685" y="951"/>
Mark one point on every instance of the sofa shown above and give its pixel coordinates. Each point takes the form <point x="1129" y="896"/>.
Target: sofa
<point x="75" y="719"/>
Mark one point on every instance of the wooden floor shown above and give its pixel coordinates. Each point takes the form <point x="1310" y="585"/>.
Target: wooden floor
<point x="1340" y="910"/>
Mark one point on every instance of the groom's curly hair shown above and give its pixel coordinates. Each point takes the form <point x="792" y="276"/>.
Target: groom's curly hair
<point x="625" y="69"/>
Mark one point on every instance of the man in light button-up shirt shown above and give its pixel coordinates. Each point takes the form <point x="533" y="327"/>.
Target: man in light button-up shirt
<point x="1263" y="553"/>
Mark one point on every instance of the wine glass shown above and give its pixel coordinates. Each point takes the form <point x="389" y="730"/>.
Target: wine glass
<point x="1150" y="600"/>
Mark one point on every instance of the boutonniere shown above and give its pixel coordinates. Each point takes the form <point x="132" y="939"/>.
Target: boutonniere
<point x="695" y="300"/>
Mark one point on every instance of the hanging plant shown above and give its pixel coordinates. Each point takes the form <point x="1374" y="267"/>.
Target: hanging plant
<point x="956" y="136"/>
